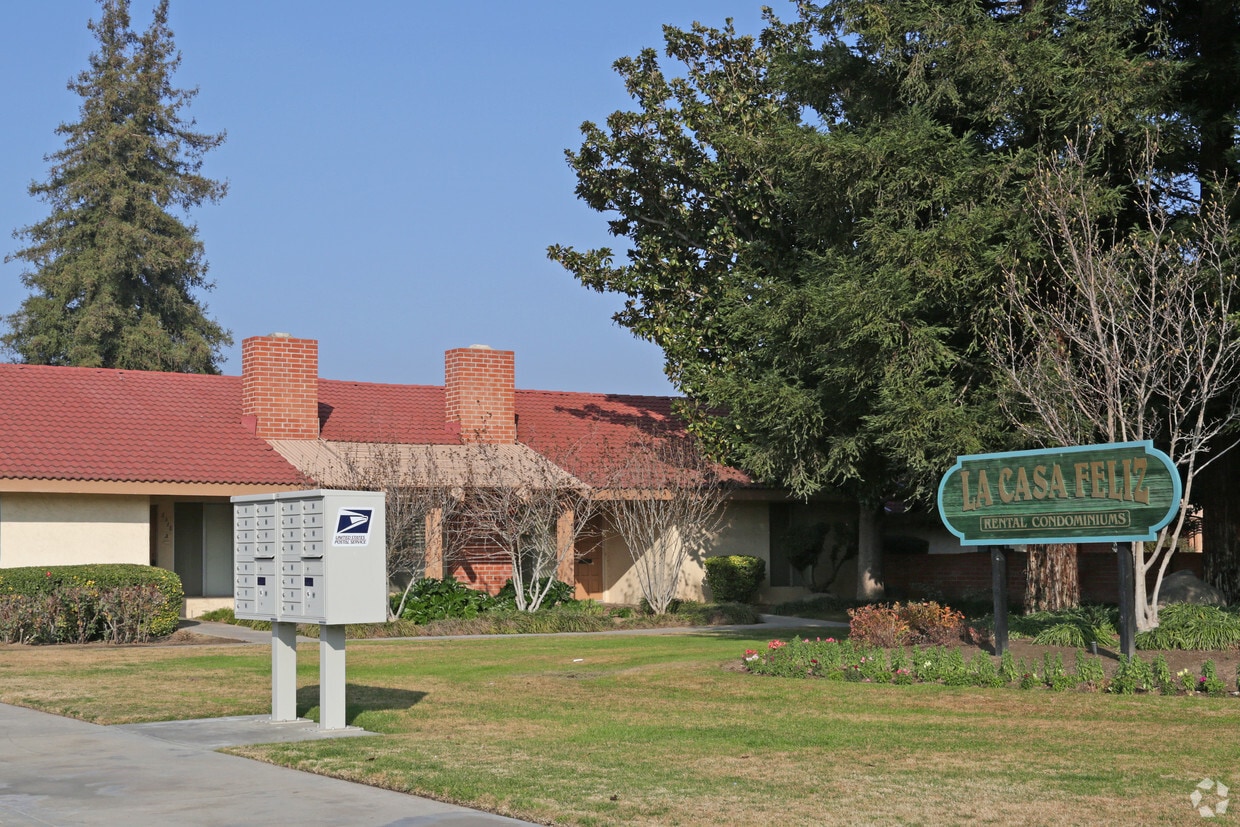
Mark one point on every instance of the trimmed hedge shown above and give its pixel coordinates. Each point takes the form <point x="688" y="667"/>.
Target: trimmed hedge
<point x="734" y="579"/>
<point x="95" y="601"/>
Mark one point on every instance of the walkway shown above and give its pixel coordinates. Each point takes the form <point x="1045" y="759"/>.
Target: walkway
<point x="62" y="772"/>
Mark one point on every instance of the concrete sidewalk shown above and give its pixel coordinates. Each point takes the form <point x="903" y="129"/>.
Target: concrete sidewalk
<point x="58" y="771"/>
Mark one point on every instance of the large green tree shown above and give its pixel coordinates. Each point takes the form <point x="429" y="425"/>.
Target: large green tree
<point x="114" y="268"/>
<point x="818" y="217"/>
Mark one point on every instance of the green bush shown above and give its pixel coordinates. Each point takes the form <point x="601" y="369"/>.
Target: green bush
<point x="734" y="579"/>
<point x="1210" y="682"/>
<point x="448" y="599"/>
<point x="228" y="615"/>
<point x="1076" y="628"/>
<point x="1089" y="671"/>
<point x="1161" y="674"/>
<point x="673" y="606"/>
<point x="1132" y="675"/>
<point x="982" y="671"/>
<point x="717" y="614"/>
<point x="1187" y="626"/>
<point x="117" y="602"/>
<point x="559" y="592"/>
<point x="1053" y="674"/>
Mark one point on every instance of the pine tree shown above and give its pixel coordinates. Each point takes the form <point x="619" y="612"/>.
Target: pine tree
<point x="112" y="270"/>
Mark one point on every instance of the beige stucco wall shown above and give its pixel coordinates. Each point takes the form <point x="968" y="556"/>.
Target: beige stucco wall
<point x="745" y="530"/>
<point x="69" y="529"/>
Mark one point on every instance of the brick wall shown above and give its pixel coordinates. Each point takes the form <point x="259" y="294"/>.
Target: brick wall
<point x="280" y="386"/>
<point x="478" y="394"/>
<point x="482" y="567"/>
<point x="967" y="575"/>
<point x="949" y="576"/>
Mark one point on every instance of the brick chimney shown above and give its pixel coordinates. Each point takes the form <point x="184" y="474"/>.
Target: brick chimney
<point x="479" y="396"/>
<point x="280" y="386"/>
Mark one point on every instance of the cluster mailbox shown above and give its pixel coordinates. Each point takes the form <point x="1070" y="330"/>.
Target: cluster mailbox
<point x="310" y="557"/>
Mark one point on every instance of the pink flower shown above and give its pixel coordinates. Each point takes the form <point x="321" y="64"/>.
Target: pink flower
<point x="776" y="644"/>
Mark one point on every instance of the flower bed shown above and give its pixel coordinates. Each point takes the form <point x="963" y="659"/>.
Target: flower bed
<point x="830" y="659"/>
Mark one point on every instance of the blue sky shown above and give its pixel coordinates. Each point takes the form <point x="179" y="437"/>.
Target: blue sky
<point x="396" y="170"/>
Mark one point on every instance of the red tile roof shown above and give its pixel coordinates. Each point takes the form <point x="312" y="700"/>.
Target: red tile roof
<point x="137" y="426"/>
<point x="590" y="434"/>
<point x="59" y="423"/>
<point x="366" y="412"/>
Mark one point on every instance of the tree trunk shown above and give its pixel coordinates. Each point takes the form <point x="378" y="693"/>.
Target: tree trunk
<point x="1220" y="527"/>
<point x="1051" y="578"/>
<point x="869" y="555"/>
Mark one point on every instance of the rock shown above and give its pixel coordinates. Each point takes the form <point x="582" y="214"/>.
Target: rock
<point x="1186" y="587"/>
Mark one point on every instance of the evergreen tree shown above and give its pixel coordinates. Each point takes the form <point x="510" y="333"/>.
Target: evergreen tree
<point x="112" y="270"/>
<point x="819" y="217"/>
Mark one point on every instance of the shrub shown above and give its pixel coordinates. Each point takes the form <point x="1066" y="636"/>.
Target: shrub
<point x="1028" y="676"/>
<point x="1161" y="674"/>
<point x="926" y="623"/>
<point x="433" y="599"/>
<point x="1007" y="667"/>
<point x="673" y="606"/>
<point x="955" y="672"/>
<point x="877" y="625"/>
<point x="116" y="602"/>
<point x="717" y="614"/>
<point x="982" y="671"/>
<point x="930" y="623"/>
<point x="734" y="579"/>
<point x="228" y="615"/>
<point x="1187" y="626"/>
<point x="559" y="592"/>
<point x="1132" y="675"/>
<point x="1209" y="682"/>
<point x="928" y="665"/>
<point x="1053" y="674"/>
<point x="1089" y="671"/>
<point x="1077" y="628"/>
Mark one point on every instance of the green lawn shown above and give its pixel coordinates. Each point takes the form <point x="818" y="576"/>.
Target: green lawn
<point x="666" y="730"/>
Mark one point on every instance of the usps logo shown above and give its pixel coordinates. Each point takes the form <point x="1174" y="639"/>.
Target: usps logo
<point x="353" y="527"/>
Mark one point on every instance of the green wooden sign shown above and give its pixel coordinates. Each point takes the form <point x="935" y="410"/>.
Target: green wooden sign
<point x="1119" y="492"/>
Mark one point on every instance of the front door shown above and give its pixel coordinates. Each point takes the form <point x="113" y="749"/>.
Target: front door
<point x="589" y="572"/>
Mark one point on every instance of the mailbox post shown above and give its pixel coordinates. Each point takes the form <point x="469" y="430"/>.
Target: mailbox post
<point x="310" y="557"/>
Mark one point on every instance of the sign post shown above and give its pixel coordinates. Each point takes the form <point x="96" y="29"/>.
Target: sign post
<point x="1112" y="493"/>
<point x="998" y="587"/>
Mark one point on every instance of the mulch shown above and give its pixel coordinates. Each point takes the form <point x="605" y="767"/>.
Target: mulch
<point x="1226" y="661"/>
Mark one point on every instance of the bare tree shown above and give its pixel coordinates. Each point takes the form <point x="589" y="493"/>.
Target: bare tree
<point x="532" y="511"/>
<point x="423" y="499"/>
<point x="1126" y="337"/>
<point x="665" y="500"/>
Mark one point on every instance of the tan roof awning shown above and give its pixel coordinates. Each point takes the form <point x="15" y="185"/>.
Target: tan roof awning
<point x="379" y="464"/>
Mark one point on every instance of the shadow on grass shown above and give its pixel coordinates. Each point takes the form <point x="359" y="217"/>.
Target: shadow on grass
<point x="359" y="699"/>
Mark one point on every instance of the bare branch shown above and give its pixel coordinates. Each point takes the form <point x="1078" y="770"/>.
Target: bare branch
<point x="1120" y="337"/>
